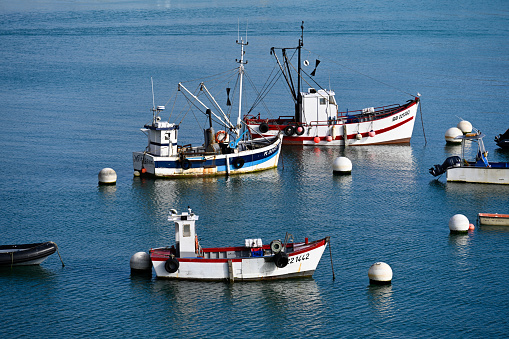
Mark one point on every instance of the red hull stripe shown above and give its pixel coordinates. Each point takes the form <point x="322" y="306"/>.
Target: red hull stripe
<point x="350" y="136"/>
<point x="160" y="255"/>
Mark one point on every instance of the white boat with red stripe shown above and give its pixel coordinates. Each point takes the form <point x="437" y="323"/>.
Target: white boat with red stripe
<point x="252" y="261"/>
<point x="317" y="119"/>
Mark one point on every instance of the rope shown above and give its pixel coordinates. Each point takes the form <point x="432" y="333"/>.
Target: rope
<point x="422" y="123"/>
<point x="63" y="265"/>
<point x="367" y="76"/>
<point x="332" y="266"/>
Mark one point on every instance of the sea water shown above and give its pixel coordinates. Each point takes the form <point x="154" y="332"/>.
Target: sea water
<point x="75" y="89"/>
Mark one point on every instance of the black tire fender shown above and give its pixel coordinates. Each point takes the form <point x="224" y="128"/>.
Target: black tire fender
<point x="238" y="163"/>
<point x="263" y="128"/>
<point x="289" y="130"/>
<point x="281" y="259"/>
<point x="185" y="164"/>
<point x="171" y="265"/>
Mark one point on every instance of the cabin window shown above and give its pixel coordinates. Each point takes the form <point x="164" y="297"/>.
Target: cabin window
<point x="187" y="230"/>
<point x="323" y="101"/>
<point x="331" y="100"/>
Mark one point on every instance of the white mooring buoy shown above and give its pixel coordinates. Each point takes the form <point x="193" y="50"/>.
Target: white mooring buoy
<point x="465" y="126"/>
<point x="451" y="134"/>
<point x="380" y="274"/>
<point x="459" y="224"/>
<point x="140" y="261"/>
<point x="107" y="176"/>
<point x="341" y="166"/>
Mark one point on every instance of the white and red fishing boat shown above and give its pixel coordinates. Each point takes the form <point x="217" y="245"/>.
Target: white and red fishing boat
<point x="252" y="261"/>
<point x="318" y="121"/>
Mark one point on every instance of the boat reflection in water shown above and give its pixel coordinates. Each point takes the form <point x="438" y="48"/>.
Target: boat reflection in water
<point x="195" y="303"/>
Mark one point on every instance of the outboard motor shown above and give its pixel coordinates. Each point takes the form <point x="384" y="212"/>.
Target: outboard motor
<point x="437" y="170"/>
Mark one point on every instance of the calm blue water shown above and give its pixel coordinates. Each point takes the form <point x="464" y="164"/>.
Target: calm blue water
<point x="75" y="89"/>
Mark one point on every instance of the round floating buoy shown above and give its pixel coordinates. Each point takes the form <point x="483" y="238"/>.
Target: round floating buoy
<point x="143" y="170"/>
<point x="140" y="261"/>
<point x="372" y="133"/>
<point x="107" y="176"/>
<point x="380" y="274"/>
<point x="329" y="138"/>
<point x="358" y="136"/>
<point x="342" y="165"/>
<point x="471" y="227"/>
<point x="299" y="130"/>
<point x="458" y="224"/>
<point x="316" y="140"/>
<point x="452" y="133"/>
<point x="137" y="173"/>
<point x="464" y="126"/>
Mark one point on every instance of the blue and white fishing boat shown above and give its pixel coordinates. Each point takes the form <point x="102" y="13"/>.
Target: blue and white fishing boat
<point x="229" y="151"/>
<point x="478" y="171"/>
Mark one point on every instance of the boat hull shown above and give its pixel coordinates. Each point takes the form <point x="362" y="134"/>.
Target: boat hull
<point x="483" y="175"/>
<point x="493" y="219"/>
<point x="245" y="161"/>
<point x="396" y="128"/>
<point x="301" y="263"/>
<point x="26" y="254"/>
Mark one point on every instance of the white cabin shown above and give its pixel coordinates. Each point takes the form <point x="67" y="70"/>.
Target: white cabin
<point x="318" y="106"/>
<point x="162" y="138"/>
<point x="185" y="233"/>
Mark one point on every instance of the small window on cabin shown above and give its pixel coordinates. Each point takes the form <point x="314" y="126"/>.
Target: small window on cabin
<point x="323" y="101"/>
<point x="331" y="100"/>
<point x="187" y="230"/>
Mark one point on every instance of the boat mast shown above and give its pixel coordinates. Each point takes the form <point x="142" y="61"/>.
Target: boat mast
<point x="299" y="80"/>
<point x="241" y="73"/>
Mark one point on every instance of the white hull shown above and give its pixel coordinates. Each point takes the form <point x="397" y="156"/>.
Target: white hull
<point x="483" y="175"/>
<point x="490" y="219"/>
<point x="302" y="263"/>
<point x="209" y="165"/>
<point x="393" y="129"/>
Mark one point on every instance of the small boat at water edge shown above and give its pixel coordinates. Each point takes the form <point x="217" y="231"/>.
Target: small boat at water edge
<point x="493" y="219"/>
<point x="187" y="260"/>
<point x="26" y="254"/>
<point x="317" y="120"/>
<point x="479" y="171"/>
<point x="164" y="158"/>
<point x="502" y="140"/>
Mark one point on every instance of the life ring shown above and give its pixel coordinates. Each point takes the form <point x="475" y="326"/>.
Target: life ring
<point x="185" y="164"/>
<point x="171" y="265"/>
<point x="221" y="136"/>
<point x="263" y="128"/>
<point x="238" y="163"/>
<point x="289" y="130"/>
<point x="297" y="130"/>
<point x="281" y="259"/>
<point x="196" y="244"/>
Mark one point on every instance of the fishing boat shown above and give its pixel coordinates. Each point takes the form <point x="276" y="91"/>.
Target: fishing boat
<point x="26" y="254"/>
<point x="493" y="219"/>
<point x="187" y="259"/>
<point x="318" y="121"/>
<point x="502" y="140"/>
<point x="480" y="170"/>
<point x="163" y="157"/>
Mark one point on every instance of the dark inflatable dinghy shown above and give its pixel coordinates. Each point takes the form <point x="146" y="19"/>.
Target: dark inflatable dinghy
<point x="26" y="254"/>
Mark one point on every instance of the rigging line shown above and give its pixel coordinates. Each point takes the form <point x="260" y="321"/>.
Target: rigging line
<point x="258" y="99"/>
<point x="367" y="76"/>
<point x="210" y="76"/>
<point x="173" y="106"/>
<point x="266" y="91"/>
